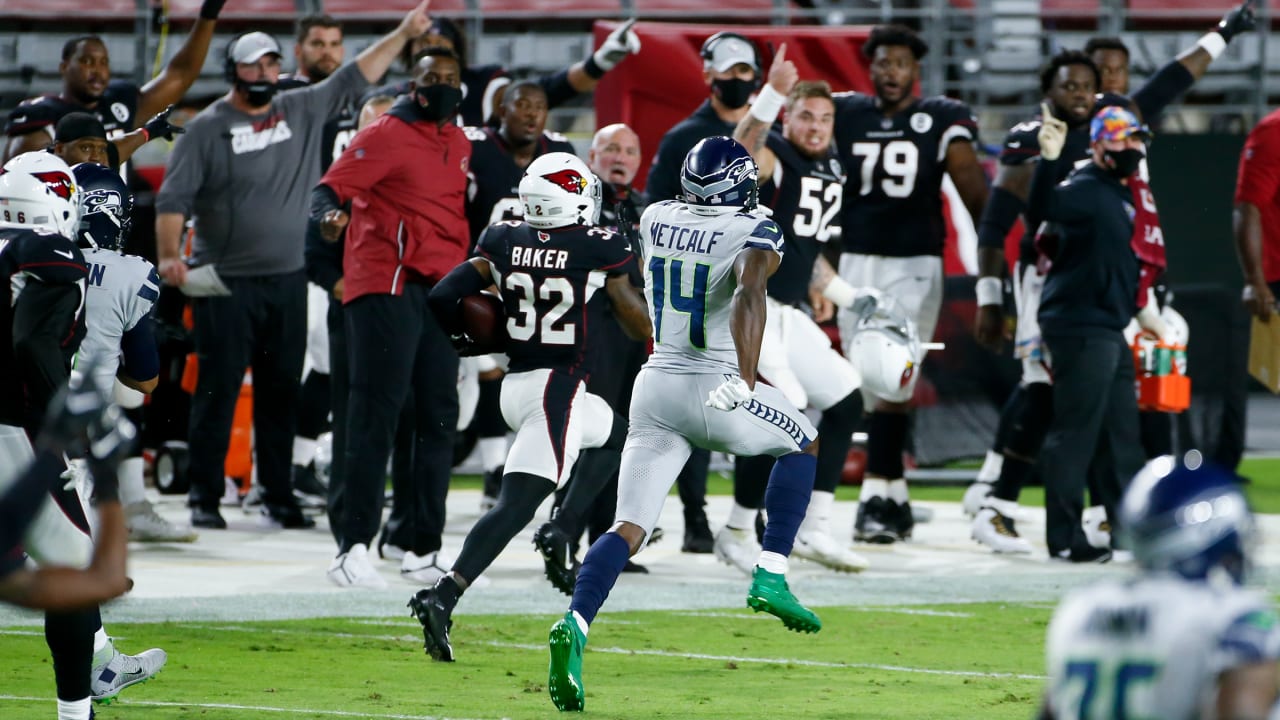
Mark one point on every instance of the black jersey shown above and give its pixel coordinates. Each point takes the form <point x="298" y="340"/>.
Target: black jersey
<point x="552" y="284"/>
<point x="804" y="194"/>
<point x="493" y="178"/>
<point x="338" y="129"/>
<point x="893" y="198"/>
<point x="117" y="109"/>
<point x="43" y="261"/>
<point x="1022" y="146"/>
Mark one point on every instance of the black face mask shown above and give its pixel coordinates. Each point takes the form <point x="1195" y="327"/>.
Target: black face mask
<point x="1123" y="163"/>
<point x="257" y="94"/>
<point x="733" y="92"/>
<point x="438" y="102"/>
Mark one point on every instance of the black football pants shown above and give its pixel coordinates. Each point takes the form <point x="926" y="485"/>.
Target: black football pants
<point x="394" y="343"/>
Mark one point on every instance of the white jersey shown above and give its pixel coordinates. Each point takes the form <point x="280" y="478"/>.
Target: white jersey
<point x="1153" y="647"/>
<point x="122" y="289"/>
<point x="689" y="282"/>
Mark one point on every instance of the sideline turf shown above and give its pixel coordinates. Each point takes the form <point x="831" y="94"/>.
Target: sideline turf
<point x="636" y="666"/>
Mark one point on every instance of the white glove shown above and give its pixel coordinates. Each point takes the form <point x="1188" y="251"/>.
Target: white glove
<point x="730" y="394"/>
<point x="621" y="42"/>
<point x="1053" y="133"/>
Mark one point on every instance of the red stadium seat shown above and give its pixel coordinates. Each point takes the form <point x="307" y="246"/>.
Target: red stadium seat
<point x="238" y="10"/>
<point x="1178" y="12"/>
<point x="389" y="9"/>
<point x="49" y="9"/>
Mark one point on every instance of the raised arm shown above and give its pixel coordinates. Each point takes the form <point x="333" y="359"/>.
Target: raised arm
<point x="375" y="60"/>
<point x="753" y="129"/>
<point x="183" y="69"/>
<point x="747" y="309"/>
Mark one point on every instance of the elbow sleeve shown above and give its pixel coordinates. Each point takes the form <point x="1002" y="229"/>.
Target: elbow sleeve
<point x="141" y="355"/>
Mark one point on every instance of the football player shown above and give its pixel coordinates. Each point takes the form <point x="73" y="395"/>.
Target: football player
<point x="87" y="85"/>
<point x="1182" y="639"/>
<point x="43" y="319"/>
<point x="81" y="420"/>
<point x="550" y="269"/>
<point x="499" y="158"/>
<point x="802" y="183"/>
<point x="897" y="149"/>
<point x="708" y="261"/>
<point x="1071" y="83"/>
<point x="119" y="333"/>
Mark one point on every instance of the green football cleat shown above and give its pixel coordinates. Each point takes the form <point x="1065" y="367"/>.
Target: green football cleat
<point x="564" y="677"/>
<point x="769" y="593"/>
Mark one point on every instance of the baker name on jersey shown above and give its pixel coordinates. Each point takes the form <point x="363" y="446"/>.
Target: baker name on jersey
<point x="251" y="138"/>
<point x="548" y="258"/>
<point x="683" y="239"/>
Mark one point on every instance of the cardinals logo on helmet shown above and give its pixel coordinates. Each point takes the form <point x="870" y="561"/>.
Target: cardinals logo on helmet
<point x="59" y="182"/>
<point x="570" y="180"/>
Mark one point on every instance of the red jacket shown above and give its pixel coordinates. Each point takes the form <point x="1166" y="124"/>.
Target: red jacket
<point x="406" y="179"/>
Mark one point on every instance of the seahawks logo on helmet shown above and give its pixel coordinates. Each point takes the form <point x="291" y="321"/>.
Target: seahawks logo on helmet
<point x="105" y="202"/>
<point x="568" y="180"/>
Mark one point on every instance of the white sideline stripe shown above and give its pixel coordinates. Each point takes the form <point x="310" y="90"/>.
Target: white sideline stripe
<point x="661" y="653"/>
<point x="254" y="708"/>
<point x="786" y="661"/>
<point x="891" y="610"/>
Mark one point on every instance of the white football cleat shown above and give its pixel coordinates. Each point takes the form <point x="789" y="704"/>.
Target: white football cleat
<point x="737" y="548"/>
<point x="974" y="495"/>
<point x="1097" y="530"/>
<point x="114" y="671"/>
<point x="145" y="525"/>
<point x="818" y="546"/>
<point x="995" y="529"/>
<point x="425" y="569"/>
<point x="353" y="569"/>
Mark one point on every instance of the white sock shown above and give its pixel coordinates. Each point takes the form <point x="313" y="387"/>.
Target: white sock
<point x="582" y="623"/>
<point x="493" y="452"/>
<point x="898" y="491"/>
<point x="820" y="502"/>
<point x="304" y="450"/>
<point x="873" y="488"/>
<point x="73" y="709"/>
<point x="100" y="640"/>
<point x="132" y="486"/>
<point x="990" y="471"/>
<point x="772" y="562"/>
<point x="741" y="518"/>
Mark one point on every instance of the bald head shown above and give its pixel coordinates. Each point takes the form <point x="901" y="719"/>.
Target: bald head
<point x="615" y="154"/>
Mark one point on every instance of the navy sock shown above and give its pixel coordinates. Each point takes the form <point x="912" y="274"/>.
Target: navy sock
<point x="786" y="500"/>
<point x="600" y="570"/>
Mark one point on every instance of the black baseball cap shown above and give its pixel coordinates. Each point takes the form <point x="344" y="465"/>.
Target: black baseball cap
<point x="76" y="125"/>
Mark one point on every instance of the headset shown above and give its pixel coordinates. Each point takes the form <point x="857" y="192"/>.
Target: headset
<point x="709" y="48"/>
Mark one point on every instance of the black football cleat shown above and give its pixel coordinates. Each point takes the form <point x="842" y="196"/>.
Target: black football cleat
<point x="557" y="556"/>
<point x="431" y="611"/>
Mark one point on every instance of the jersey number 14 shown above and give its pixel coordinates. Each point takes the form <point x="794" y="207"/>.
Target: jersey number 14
<point x="669" y="289"/>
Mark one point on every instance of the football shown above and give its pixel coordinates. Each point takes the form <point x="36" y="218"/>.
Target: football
<point x="485" y="320"/>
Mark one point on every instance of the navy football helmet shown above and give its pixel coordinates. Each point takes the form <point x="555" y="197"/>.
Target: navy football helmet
<point x="1188" y="517"/>
<point x="106" y="206"/>
<point x="718" y="173"/>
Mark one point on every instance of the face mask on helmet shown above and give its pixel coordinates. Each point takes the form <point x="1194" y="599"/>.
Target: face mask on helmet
<point x="105" y="208"/>
<point x="719" y="175"/>
<point x="558" y="190"/>
<point x="885" y="349"/>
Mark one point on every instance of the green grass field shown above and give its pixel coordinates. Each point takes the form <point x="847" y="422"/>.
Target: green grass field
<point x="980" y="661"/>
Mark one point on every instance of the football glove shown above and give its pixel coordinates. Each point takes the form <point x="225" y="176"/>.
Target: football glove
<point x="160" y="127"/>
<point x="729" y="394"/>
<point x="622" y="42"/>
<point x="209" y="9"/>
<point x="464" y="344"/>
<point x="1240" y="20"/>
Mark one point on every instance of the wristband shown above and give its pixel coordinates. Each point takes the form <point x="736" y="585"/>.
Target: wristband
<point x="592" y="68"/>
<point x="840" y="292"/>
<point x="767" y="105"/>
<point x="989" y="291"/>
<point x="1213" y="43"/>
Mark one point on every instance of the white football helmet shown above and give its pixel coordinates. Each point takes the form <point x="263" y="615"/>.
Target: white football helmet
<point x="38" y="191"/>
<point x="885" y="349"/>
<point x="557" y="190"/>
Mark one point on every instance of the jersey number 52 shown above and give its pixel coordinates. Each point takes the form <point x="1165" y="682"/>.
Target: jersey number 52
<point x="900" y="160"/>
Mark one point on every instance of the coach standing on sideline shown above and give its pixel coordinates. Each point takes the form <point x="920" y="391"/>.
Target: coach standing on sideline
<point x="1090" y="293"/>
<point x="244" y="171"/>
<point x="1257" y="216"/>
<point x="405" y="179"/>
